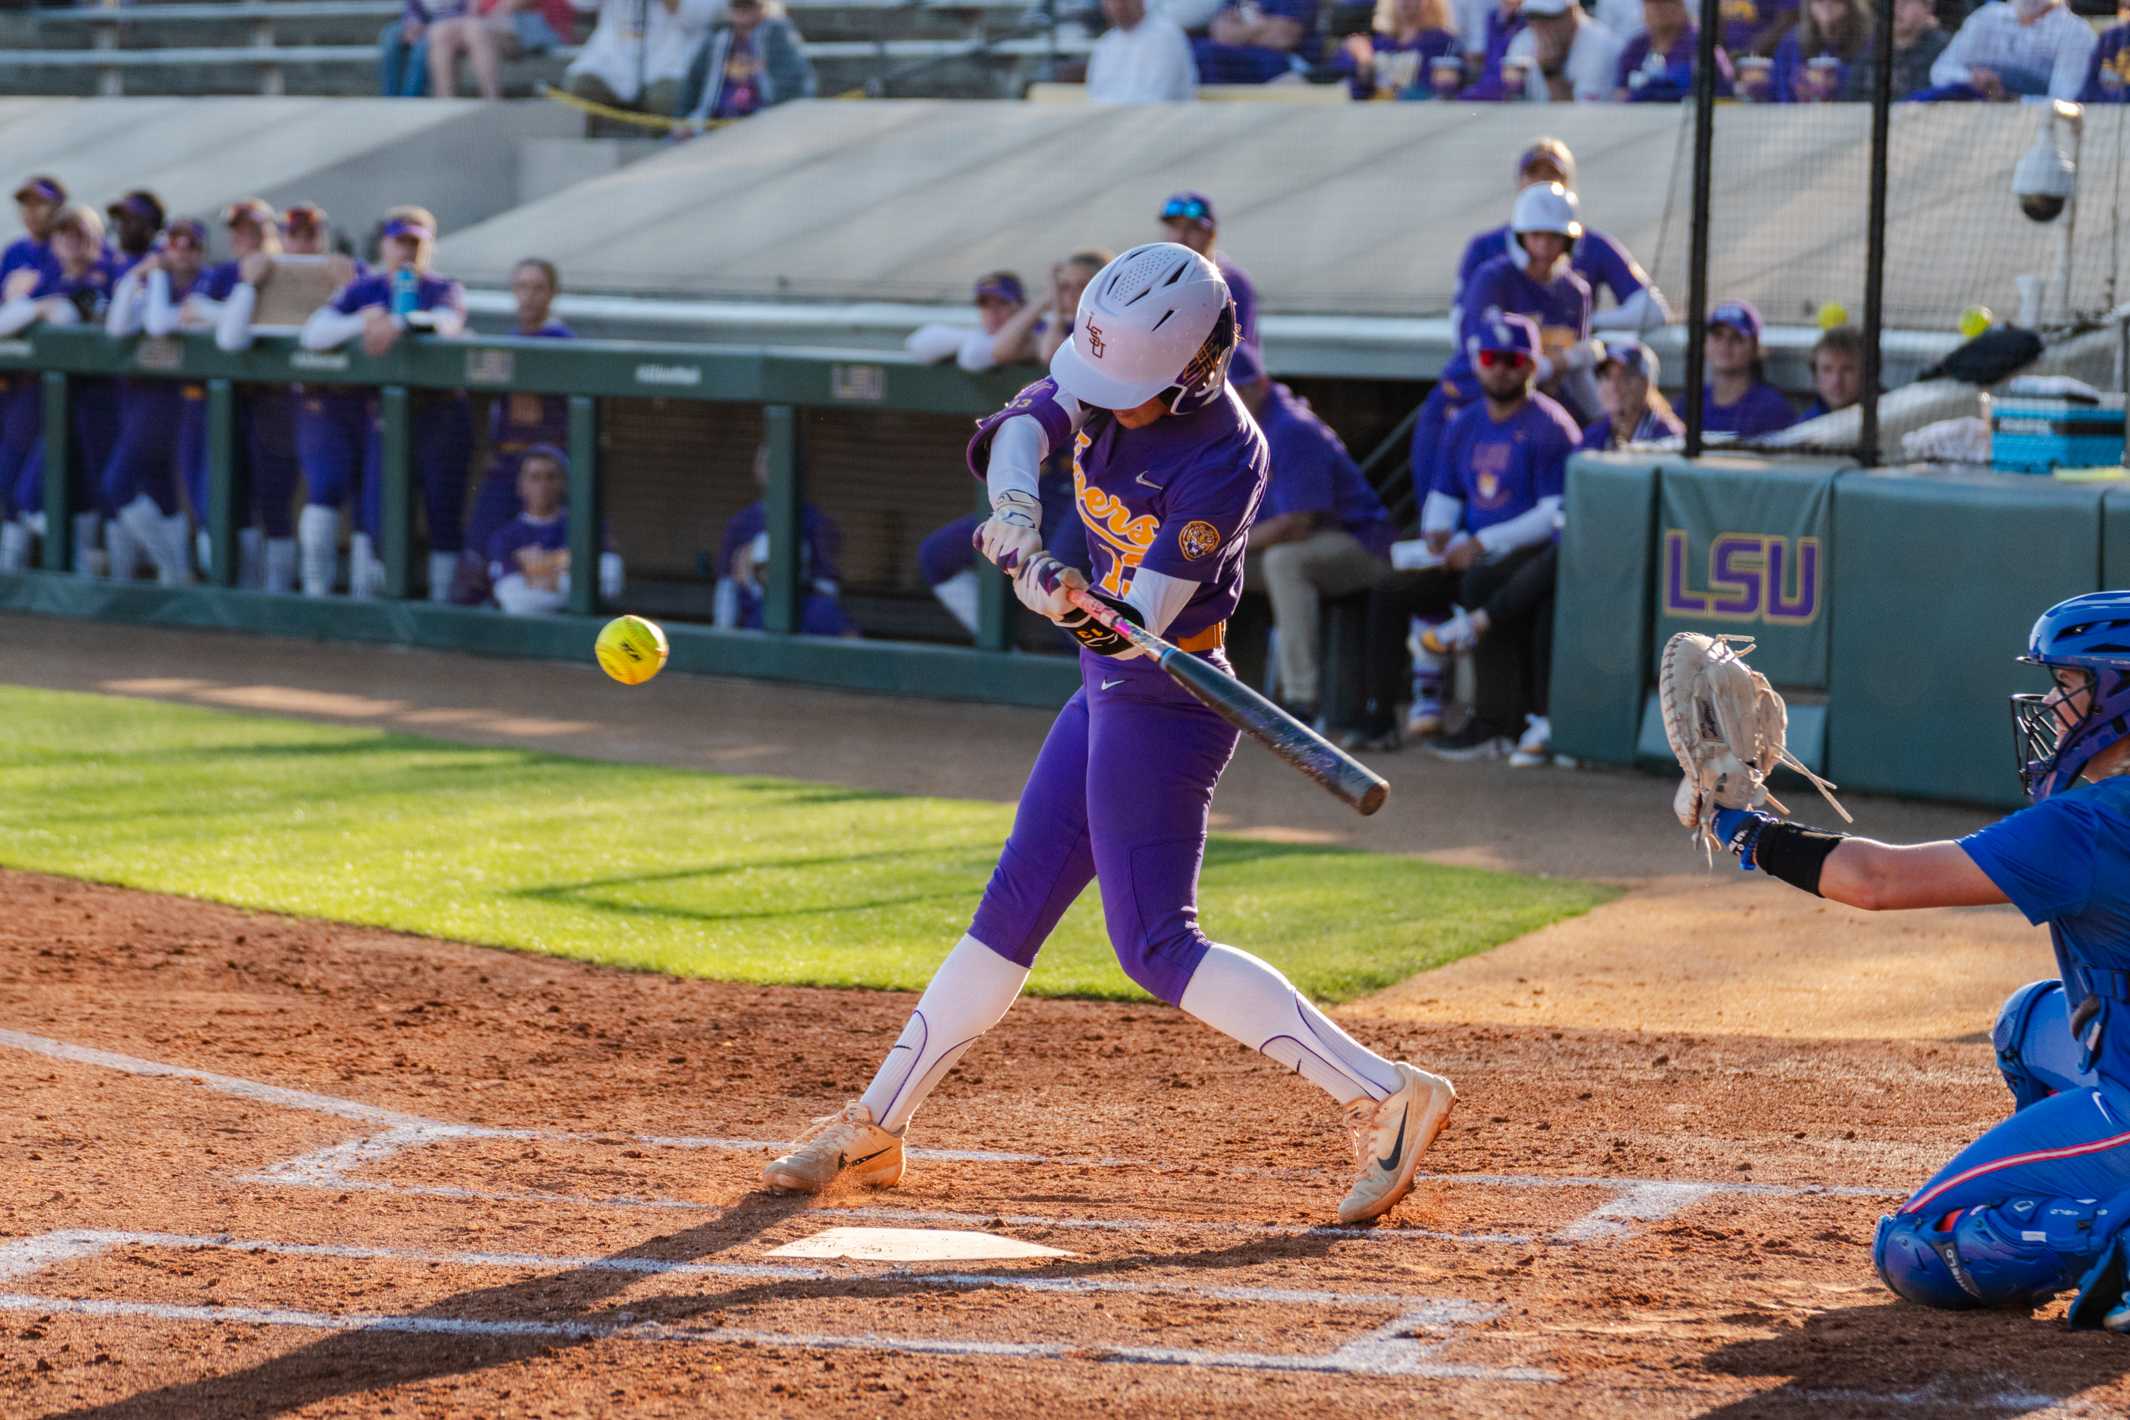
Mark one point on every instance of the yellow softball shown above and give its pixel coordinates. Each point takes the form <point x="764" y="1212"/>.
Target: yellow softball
<point x="1976" y="319"/>
<point x="631" y="649"/>
<point x="1832" y="314"/>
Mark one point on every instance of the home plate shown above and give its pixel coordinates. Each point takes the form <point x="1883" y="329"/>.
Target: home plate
<point x="913" y="1245"/>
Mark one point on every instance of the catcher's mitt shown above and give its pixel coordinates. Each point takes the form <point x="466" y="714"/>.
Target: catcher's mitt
<point x="1726" y="724"/>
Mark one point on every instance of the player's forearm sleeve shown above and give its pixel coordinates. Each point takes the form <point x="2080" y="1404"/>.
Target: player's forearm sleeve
<point x="1158" y="598"/>
<point x="1526" y="529"/>
<point x="935" y="341"/>
<point x="161" y="316"/>
<point x="327" y="328"/>
<point x="1644" y="310"/>
<point x="18" y="314"/>
<point x="977" y="352"/>
<point x="1018" y="449"/>
<point x="232" y="327"/>
<point x="1441" y="513"/>
<point x="124" y="317"/>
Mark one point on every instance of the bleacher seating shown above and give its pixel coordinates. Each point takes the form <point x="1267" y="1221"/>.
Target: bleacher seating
<point x="984" y="48"/>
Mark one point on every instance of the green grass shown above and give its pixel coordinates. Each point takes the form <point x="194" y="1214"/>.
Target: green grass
<point x="732" y="877"/>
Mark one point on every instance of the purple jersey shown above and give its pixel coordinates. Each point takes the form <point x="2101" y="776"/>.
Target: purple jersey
<point x="2108" y="76"/>
<point x="1500" y="469"/>
<point x="217" y="281"/>
<point x="26" y="254"/>
<point x="1667" y="78"/>
<point x="1244" y="294"/>
<point x="89" y="293"/>
<point x="1177" y="496"/>
<point x="1400" y="65"/>
<point x="516" y="422"/>
<point x="375" y="289"/>
<point x="521" y="532"/>
<point x="1561" y="307"/>
<point x="1652" y="427"/>
<point x="1597" y="258"/>
<point x="1760" y="410"/>
<point x="1313" y="472"/>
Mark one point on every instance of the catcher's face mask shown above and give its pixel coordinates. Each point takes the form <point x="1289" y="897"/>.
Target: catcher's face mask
<point x="2056" y="733"/>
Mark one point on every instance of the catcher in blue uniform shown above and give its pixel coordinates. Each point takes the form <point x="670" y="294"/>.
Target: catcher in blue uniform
<point x="2038" y="1204"/>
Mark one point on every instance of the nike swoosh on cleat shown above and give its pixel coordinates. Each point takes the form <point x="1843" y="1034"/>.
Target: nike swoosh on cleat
<point x="1111" y="684"/>
<point x="849" y="1163"/>
<point x="1389" y="1162"/>
<point x="1157" y="487"/>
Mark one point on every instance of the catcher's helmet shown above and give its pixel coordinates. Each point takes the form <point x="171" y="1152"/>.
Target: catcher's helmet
<point x="1156" y="320"/>
<point x="2090" y="633"/>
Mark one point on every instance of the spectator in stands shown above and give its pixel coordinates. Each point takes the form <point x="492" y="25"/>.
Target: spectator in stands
<point x="1392" y="60"/>
<point x="1597" y="258"/>
<point x="2013" y="49"/>
<point x="1495" y="507"/>
<point x="1320" y="532"/>
<point x="1141" y="58"/>
<point x="754" y="60"/>
<point x="1754" y="26"/>
<point x="163" y="426"/>
<point x="489" y="33"/>
<point x="517" y="423"/>
<point x="1657" y="66"/>
<point x="1827" y="57"/>
<point x="1187" y="219"/>
<point x="74" y="289"/>
<point x="403" y="49"/>
<point x="2106" y="76"/>
<point x="1565" y="56"/>
<point x="1918" y="40"/>
<point x="1255" y="41"/>
<point x="528" y="557"/>
<point x="380" y="308"/>
<point x="1484" y="30"/>
<point x="743" y="559"/>
<point x="1636" y="411"/>
<point x="1738" y="399"/>
<point x="136" y="222"/>
<point x="1837" y="371"/>
<point x="1004" y="334"/>
<point x="639" y="52"/>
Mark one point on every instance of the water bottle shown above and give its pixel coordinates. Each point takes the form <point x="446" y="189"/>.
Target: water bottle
<point x="406" y="291"/>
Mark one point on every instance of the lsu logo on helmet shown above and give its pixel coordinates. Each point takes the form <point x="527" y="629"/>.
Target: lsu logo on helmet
<point x="1094" y="340"/>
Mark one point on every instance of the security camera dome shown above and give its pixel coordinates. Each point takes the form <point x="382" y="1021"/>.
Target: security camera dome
<point x="2041" y="206"/>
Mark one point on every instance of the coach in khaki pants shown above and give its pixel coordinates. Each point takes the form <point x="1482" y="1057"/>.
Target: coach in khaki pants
<point x="1322" y="531"/>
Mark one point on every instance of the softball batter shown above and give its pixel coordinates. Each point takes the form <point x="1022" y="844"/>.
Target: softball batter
<point x="1168" y="471"/>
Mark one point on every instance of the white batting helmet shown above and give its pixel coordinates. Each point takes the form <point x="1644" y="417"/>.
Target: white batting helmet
<point x="1543" y="207"/>
<point x="1155" y="319"/>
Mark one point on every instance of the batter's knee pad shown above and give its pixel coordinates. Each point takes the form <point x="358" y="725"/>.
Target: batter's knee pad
<point x="2009" y="1037"/>
<point x="2017" y="1253"/>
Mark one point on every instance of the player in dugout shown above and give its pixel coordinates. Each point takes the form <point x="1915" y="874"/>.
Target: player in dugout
<point x="2038" y="1204"/>
<point x="1171" y="469"/>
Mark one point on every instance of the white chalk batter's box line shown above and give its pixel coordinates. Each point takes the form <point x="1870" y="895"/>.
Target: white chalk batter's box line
<point x="1634" y="1201"/>
<point x="1391" y="1349"/>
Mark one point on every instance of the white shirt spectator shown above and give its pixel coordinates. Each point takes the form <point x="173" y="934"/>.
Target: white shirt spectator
<point x="1622" y="17"/>
<point x="2047" y="56"/>
<point x="1591" y="69"/>
<point x="668" y="37"/>
<point x="1148" y="63"/>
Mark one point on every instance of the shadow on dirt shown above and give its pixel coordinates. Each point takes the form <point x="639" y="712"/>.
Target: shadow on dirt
<point x="1895" y="1358"/>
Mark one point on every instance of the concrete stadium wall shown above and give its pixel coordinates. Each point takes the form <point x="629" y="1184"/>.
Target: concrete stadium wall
<point x="459" y="158"/>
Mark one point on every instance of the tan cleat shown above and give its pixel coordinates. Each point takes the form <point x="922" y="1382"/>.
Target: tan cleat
<point x="846" y="1140"/>
<point x="1389" y="1136"/>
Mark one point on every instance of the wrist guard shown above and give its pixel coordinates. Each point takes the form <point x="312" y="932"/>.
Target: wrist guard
<point x="1018" y="509"/>
<point x="1093" y="635"/>
<point x="1791" y="852"/>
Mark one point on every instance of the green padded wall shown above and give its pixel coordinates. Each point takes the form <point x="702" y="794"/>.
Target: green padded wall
<point x="1936" y="583"/>
<point x="1601" y="620"/>
<point x="2115" y="538"/>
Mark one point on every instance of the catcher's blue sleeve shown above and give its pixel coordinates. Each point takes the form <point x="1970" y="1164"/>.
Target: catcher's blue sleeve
<point x="2042" y="858"/>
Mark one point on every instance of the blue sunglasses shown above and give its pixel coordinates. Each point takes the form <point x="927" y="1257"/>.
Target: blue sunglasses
<point x="1192" y="210"/>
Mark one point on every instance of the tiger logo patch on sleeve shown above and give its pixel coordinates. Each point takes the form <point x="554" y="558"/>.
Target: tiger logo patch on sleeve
<point x="1197" y="539"/>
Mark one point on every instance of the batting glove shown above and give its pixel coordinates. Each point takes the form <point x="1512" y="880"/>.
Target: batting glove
<point x="1045" y="584"/>
<point x="1013" y="533"/>
<point x="1739" y="831"/>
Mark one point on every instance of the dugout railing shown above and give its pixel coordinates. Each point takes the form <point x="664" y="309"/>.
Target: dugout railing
<point x="784" y="383"/>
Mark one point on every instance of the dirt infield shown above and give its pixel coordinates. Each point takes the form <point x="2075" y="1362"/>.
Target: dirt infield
<point x="260" y="1166"/>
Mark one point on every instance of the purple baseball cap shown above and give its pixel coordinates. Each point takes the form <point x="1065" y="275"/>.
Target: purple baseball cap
<point x="1001" y="286"/>
<point x="42" y="189"/>
<point x="1245" y="366"/>
<point x="1739" y="316"/>
<point x="406" y="227"/>
<point x="1629" y="354"/>
<point x="256" y="210"/>
<point x="1505" y="332"/>
<point x="1550" y="151"/>
<point x="549" y="452"/>
<point x="191" y="227"/>
<point x="141" y="203"/>
<point x="1189" y="207"/>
